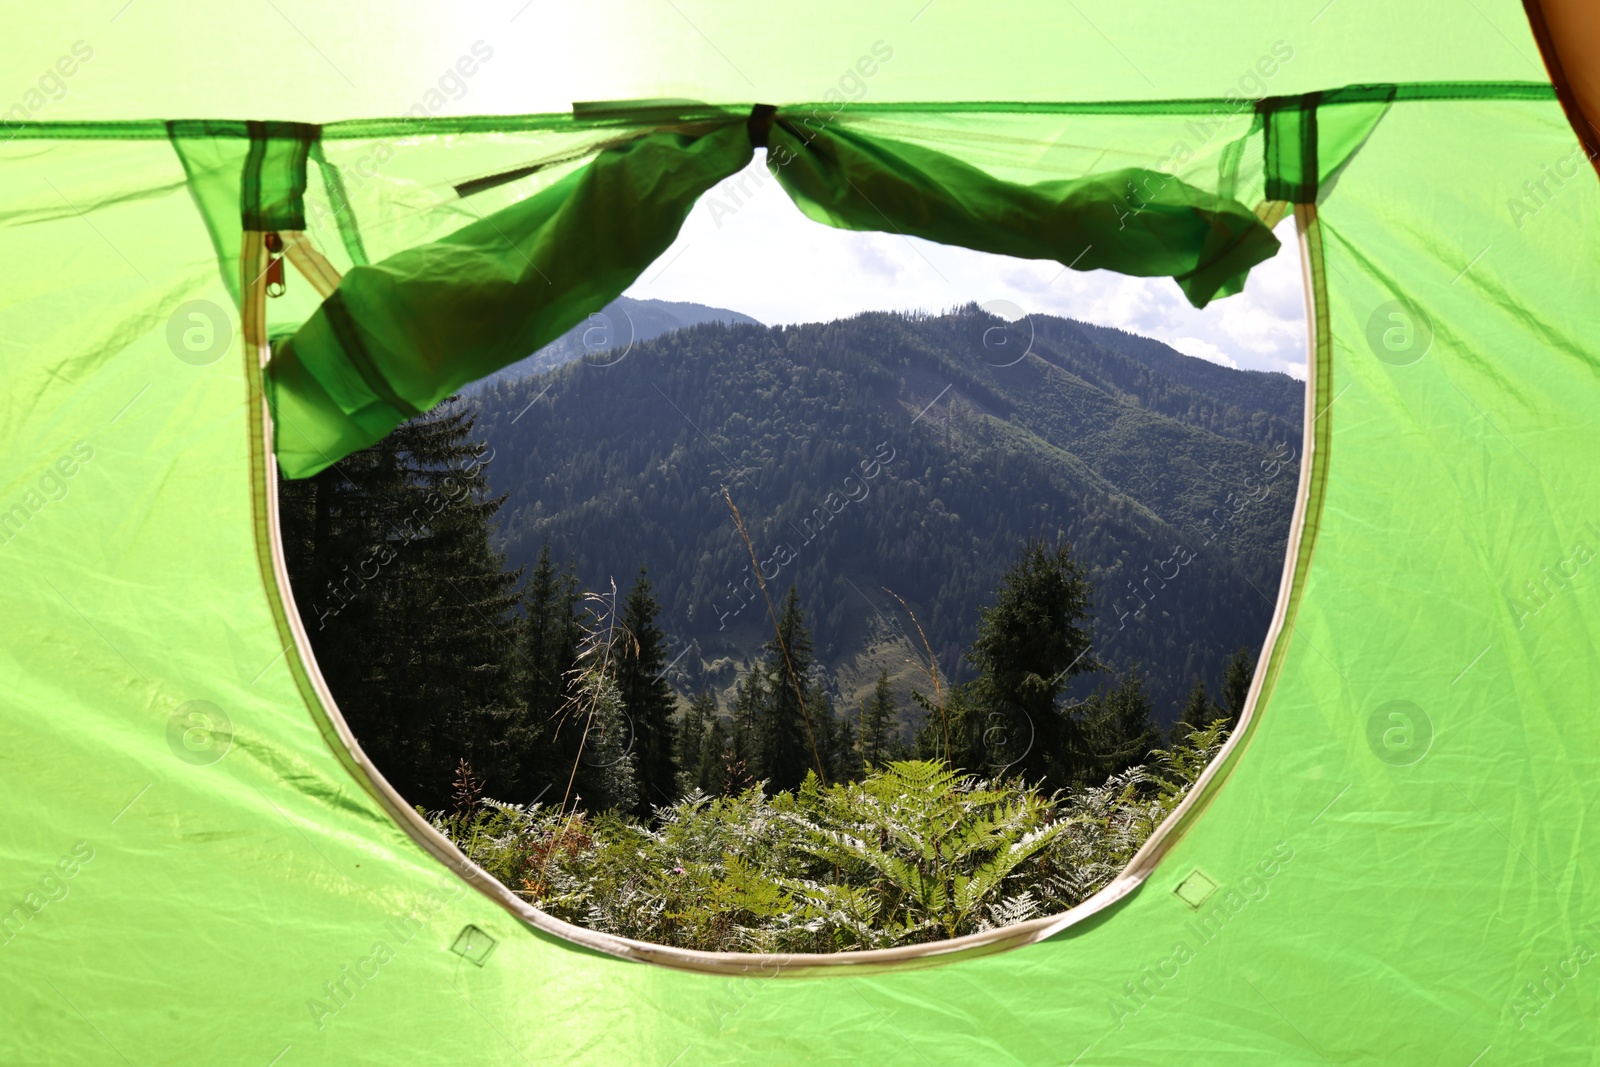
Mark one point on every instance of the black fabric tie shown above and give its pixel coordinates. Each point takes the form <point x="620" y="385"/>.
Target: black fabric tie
<point x="760" y="124"/>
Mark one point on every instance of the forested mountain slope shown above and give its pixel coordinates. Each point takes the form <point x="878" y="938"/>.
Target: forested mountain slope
<point x="913" y="453"/>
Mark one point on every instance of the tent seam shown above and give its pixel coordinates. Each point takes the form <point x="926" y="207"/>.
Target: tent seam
<point x="433" y="125"/>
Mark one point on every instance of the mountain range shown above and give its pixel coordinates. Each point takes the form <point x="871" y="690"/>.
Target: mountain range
<point x="888" y="466"/>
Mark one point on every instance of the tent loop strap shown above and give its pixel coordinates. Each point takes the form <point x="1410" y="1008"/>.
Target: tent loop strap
<point x="1308" y="139"/>
<point x="273" y="185"/>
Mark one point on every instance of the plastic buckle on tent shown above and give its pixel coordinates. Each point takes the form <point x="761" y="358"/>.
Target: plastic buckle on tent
<point x="276" y="286"/>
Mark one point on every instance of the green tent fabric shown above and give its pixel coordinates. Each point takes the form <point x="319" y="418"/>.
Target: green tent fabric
<point x="1390" y="863"/>
<point x="1132" y="220"/>
<point x="398" y="337"/>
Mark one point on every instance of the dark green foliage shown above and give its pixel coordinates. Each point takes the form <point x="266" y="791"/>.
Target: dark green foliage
<point x="551" y="635"/>
<point x="838" y="743"/>
<point x="414" y="622"/>
<point x="791" y="718"/>
<point x="410" y="613"/>
<point x="879" y="729"/>
<point x="744" y="757"/>
<point x="1264" y="408"/>
<point x="647" y="697"/>
<point x="1031" y="642"/>
<point x="1172" y="478"/>
<point x="781" y="726"/>
<point x="605" y="778"/>
<point x="544" y="752"/>
<point x="1117" y="730"/>
<point x="1199" y="711"/>
<point x="915" y="853"/>
<point x="703" y="748"/>
<point x="623" y="322"/>
<point x="1168" y="477"/>
<point x="1236" y="678"/>
<point x="1013" y="718"/>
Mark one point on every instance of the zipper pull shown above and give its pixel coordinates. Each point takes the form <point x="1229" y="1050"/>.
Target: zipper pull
<point x="275" y="282"/>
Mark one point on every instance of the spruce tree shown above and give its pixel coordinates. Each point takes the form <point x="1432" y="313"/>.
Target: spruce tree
<point x="789" y="745"/>
<point x="1198" y="712"/>
<point x="1031" y="642"/>
<point x="743" y="764"/>
<point x="878" y="726"/>
<point x="647" y="697"/>
<point x="411" y="614"/>
<point x="548" y="644"/>
<point x="1118" y="730"/>
<point x="702" y="748"/>
<point x="716" y="773"/>
<point x="836" y="738"/>
<point x="1236" y="678"/>
<point x="552" y="634"/>
<point x="688" y="733"/>
<point x="604" y="777"/>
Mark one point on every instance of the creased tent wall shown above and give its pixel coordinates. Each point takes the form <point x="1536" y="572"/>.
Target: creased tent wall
<point x="1413" y="909"/>
<point x="315" y="62"/>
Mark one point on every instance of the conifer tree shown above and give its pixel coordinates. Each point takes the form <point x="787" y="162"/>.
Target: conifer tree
<point x="837" y="741"/>
<point x="552" y="635"/>
<point x="789" y="745"/>
<point x="743" y="764"/>
<point x="1031" y="642"/>
<point x="549" y="643"/>
<point x="1198" y="712"/>
<point x="647" y="697"/>
<point x="1236" y="678"/>
<point x="604" y="776"/>
<point x="1118" y="730"/>
<point x="702" y="748"/>
<point x="409" y="610"/>
<point x="878" y="724"/>
<point x="716" y="772"/>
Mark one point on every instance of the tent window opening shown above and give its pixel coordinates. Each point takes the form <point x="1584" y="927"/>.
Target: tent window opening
<point x="832" y="588"/>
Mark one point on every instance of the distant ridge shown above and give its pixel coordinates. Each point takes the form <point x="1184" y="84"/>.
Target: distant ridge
<point x="621" y="323"/>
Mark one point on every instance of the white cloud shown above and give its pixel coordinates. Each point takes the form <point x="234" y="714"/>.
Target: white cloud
<point x="1194" y="346"/>
<point x="746" y="247"/>
<point x="877" y="260"/>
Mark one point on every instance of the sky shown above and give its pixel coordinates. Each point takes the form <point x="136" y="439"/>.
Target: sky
<point x="747" y="247"/>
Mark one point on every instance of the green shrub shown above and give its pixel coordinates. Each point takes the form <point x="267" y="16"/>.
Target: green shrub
<point x="914" y="853"/>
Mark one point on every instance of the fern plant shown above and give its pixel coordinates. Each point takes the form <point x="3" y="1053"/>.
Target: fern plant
<point x="919" y="852"/>
<point x="914" y="853"/>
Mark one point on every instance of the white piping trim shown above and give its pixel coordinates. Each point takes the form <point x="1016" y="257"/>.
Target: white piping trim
<point x="1167" y="834"/>
<point x="253" y="292"/>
